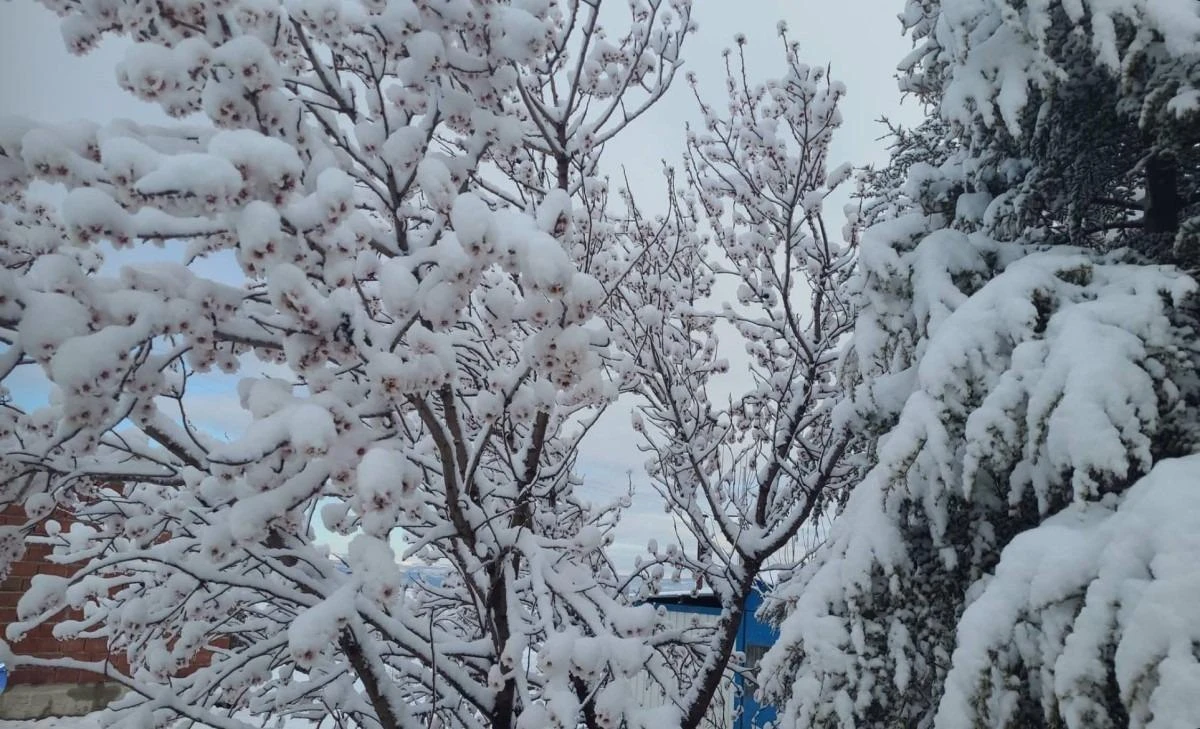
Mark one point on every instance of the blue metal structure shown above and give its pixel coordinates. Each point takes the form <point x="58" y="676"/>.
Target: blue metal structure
<point x="3" y="677"/>
<point x="753" y="639"/>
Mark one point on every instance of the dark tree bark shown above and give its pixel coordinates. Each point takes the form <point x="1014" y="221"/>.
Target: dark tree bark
<point x="1162" y="204"/>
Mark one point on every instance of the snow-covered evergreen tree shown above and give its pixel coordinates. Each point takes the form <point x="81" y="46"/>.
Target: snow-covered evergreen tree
<point x="1094" y="103"/>
<point x="1023" y="362"/>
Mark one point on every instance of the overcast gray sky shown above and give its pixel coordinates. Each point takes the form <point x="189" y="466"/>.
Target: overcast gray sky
<point x="860" y="39"/>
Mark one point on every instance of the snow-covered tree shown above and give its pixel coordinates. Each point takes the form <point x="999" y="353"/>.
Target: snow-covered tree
<point x="386" y="218"/>
<point x="1022" y="552"/>
<point x="747" y="465"/>
<point x="1096" y="100"/>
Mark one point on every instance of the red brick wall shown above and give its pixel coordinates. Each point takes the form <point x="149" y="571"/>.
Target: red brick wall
<point x="41" y="641"/>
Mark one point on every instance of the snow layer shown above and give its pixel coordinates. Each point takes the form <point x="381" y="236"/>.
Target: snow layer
<point x="1099" y="586"/>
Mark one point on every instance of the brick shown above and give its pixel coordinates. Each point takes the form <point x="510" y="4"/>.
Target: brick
<point x="22" y="568"/>
<point x="44" y="645"/>
<point x="32" y="676"/>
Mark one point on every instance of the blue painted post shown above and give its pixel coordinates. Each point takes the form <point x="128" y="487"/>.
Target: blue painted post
<point x="754" y="634"/>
